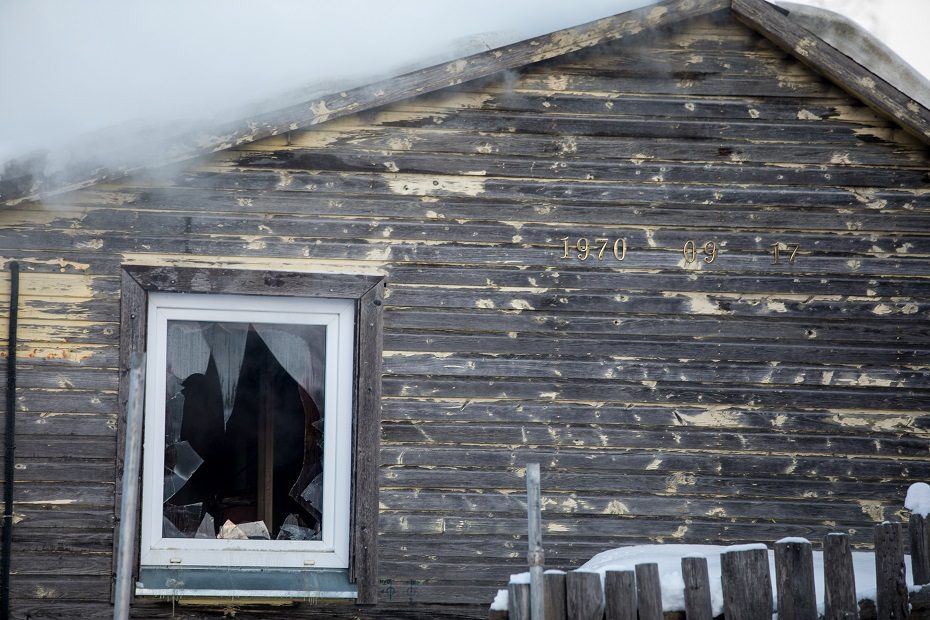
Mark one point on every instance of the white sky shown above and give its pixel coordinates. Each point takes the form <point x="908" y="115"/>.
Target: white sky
<point x="71" y="67"/>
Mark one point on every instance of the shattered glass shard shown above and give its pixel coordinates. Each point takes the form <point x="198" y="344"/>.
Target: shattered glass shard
<point x="183" y="520"/>
<point x="181" y="461"/>
<point x="207" y="528"/>
<point x="313" y="493"/>
<point x="291" y="529"/>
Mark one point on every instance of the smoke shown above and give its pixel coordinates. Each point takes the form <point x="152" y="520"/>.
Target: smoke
<point x="84" y="66"/>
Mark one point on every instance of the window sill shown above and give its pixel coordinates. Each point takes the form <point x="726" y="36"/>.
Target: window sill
<point x="252" y="583"/>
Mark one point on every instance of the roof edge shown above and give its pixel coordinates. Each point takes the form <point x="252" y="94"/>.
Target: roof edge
<point x="31" y="177"/>
<point x="858" y="80"/>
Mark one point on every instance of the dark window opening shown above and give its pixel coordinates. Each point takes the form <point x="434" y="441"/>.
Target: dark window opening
<point x="244" y="431"/>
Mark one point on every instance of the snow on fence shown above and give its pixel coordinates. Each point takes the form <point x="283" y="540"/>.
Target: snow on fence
<point x="704" y="581"/>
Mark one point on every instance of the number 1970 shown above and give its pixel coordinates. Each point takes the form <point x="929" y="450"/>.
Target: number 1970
<point x="585" y="248"/>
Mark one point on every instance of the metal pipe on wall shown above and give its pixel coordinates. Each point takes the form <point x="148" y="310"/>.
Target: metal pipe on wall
<point x="132" y="463"/>
<point x="9" y="444"/>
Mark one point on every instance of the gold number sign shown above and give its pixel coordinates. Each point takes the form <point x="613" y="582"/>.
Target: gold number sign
<point x="583" y="249"/>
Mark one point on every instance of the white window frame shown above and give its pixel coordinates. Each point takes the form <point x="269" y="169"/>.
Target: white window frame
<point x="338" y="316"/>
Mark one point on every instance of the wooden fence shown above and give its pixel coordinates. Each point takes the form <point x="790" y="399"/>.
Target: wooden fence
<point x="746" y="584"/>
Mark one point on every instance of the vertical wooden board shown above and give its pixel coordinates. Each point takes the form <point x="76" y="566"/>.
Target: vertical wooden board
<point x="648" y="592"/>
<point x="554" y="598"/>
<point x="366" y="455"/>
<point x="794" y="578"/>
<point x="747" y="584"/>
<point x="498" y="614"/>
<point x="697" y="589"/>
<point x="584" y="596"/>
<point x="920" y="550"/>
<point x="518" y="601"/>
<point x="840" y="601"/>
<point x="891" y="599"/>
<point x="620" y="595"/>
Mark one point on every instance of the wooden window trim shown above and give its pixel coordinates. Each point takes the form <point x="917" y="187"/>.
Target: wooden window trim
<point x="138" y="281"/>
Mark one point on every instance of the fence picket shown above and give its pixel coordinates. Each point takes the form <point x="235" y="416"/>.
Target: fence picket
<point x="620" y="595"/>
<point x="794" y="580"/>
<point x="554" y="596"/>
<point x="891" y="600"/>
<point x="920" y="550"/>
<point x="697" y="589"/>
<point x="839" y="579"/>
<point x="747" y="584"/>
<point x="648" y="592"/>
<point x="584" y="596"/>
<point x="518" y="601"/>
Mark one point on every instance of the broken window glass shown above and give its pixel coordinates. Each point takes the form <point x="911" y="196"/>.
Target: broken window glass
<point x="244" y="430"/>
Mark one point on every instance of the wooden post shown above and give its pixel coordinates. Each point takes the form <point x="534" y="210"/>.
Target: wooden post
<point x="648" y="592"/>
<point x="584" y="597"/>
<point x="518" y="601"/>
<point x="794" y="579"/>
<point x="697" y="589"/>
<point x="129" y="507"/>
<point x="839" y="579"/>
<point x="747" y="584"/>
<point x="891" y="599"/>
<point x="620" y="595"/>
<point x="920" y="549"/>
<point x="534" y="554"/>
<point x="554" y="598"/>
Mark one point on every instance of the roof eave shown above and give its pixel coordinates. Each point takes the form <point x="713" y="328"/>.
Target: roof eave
<point x="859" y="81"/>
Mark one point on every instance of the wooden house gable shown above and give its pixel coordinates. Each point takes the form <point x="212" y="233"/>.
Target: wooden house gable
<point x="680" y="269"/>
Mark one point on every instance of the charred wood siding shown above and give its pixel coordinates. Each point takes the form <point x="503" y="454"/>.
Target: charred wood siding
<point x="734" y="401"/>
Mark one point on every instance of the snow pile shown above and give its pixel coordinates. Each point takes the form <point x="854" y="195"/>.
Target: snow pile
<point x="918" y="499"/>
<point x="500" y="601"/>
<point x="668" y="557"/>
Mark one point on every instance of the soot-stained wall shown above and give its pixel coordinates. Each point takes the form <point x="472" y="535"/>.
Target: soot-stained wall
<point x="701" y="389"/>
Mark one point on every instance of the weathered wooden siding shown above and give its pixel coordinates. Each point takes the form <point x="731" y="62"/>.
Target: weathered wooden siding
<point x="726" y="402"/>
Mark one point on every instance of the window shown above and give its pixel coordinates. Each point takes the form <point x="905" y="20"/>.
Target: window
<point x="261" y="423"/>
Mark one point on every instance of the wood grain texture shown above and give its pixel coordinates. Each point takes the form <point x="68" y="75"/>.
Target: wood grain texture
<point x="919" y="548"/>
<point x="840" y="600"/>
<point x="620" y="595"/>
<point x="747" y="584"/>
<point x="554" y="596"/>
<point x="648" y="592"/>
<point x="891" y="598"/>
<point x="697" y="588"/>
<point x="584" y="596"/>
<point x="794" y="580"/>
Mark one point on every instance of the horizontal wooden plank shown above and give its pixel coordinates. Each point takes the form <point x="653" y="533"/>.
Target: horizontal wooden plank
<point x="598" y="437"/>
<point x="587" y="169"/>
<point x="788" y="419"/>
<point x="300" y="230"/>
<point x="389" y="141"/>
<point x="678" y="485"/>
<point x="619" y="502"/>
<point x="621" y="530"/>
<point x="631" y="348"/>
<point x="630" y="371"/>
<point x="651" y="459"/>
<point x="865" y="332"/>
